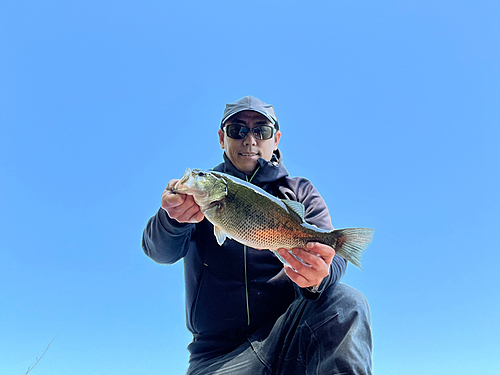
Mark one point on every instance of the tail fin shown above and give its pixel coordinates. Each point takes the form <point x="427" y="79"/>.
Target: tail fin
<point x="352" y="242"/>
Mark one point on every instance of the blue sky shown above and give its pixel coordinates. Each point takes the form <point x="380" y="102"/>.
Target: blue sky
<point x="390" y="108"/>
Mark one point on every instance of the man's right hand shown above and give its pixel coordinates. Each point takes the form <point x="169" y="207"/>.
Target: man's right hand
<point x="180" y="207"/>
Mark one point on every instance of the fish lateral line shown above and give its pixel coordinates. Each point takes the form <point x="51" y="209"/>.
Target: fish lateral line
<point x="257" y="219"/>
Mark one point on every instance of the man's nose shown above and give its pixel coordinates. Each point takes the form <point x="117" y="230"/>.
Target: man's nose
<point x="250" y="139"/>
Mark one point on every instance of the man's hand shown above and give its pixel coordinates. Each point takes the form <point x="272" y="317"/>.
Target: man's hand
<point x="316" y="259"/>
<point x="180" y="207"/>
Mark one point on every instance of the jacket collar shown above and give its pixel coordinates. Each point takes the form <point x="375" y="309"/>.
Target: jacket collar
<point x="269" y="171"/>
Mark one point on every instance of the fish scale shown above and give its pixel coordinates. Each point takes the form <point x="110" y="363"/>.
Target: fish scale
<point x="255" y="218"/>
<point x="263" y="225"/>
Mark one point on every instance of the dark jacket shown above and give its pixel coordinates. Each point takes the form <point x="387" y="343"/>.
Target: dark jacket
<point x="232" y="290"/>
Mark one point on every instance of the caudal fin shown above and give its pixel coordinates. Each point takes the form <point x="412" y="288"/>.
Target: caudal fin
<point x="352" y="242"/>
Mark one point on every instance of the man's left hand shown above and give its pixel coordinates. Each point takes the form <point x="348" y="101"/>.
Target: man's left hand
<point x="316" y="258"/>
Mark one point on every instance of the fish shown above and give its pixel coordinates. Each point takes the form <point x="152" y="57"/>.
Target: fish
<point x="251" y="216"/>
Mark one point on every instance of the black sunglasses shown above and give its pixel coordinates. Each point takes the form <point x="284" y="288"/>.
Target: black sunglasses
<point x="240" y="132"/>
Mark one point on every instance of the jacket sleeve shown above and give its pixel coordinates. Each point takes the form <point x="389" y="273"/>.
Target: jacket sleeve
<point x="165" y="240"/>
<point x="317" y="214"/>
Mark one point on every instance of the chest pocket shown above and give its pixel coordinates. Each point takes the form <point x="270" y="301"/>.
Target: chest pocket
<point x="281" y="191"/>
<point x="285" y="192"/>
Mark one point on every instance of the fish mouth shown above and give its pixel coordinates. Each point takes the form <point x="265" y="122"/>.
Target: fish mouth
<point x="188" y="185"/>
<point x="179" y="188"/>
<point x="186" y="176"/>
<point x="185" y="183"/>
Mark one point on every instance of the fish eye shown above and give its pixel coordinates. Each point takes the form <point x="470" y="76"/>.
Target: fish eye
<point x="201" y="174"/>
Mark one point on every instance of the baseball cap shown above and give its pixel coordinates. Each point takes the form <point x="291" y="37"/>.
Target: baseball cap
<point x="250" y="103"/>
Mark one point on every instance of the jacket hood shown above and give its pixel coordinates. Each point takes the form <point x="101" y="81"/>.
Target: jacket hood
<point x="269" y="171"/>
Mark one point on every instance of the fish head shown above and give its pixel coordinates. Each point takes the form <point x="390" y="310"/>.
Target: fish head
<point x="206" y="187"/>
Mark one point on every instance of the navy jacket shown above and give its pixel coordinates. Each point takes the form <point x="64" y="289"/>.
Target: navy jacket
<point x="232" y="290"/>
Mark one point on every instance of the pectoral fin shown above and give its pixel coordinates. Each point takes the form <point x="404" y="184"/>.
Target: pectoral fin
<point x="220" y="235"/>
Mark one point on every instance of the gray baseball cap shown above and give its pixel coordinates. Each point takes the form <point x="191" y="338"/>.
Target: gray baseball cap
<point x="249" y="103"/>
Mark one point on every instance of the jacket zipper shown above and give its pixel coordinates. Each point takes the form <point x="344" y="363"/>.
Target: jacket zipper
<point x="246" y="283"/>
<point x="245" y="262"/>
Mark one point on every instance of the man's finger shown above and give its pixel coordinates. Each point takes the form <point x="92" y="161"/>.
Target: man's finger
<point x="322" y="250"/>
<point x="297" y="278"/>
<point x="310" y="272"/>
<point x="199" y="216"/>
<point x="171" y="184"/>
<point x="296" y="264"/>
<point x="171" y="200"/>
<point x="188" y="213"/>
<point x="314" y="260"/>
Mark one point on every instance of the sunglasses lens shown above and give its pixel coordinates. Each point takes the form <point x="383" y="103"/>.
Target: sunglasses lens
<point x="263" y="132"/>
<point x="237" y="131"/>
<point x="240" y="132"/>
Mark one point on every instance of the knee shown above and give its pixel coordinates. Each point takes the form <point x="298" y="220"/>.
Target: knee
<point x="348" y="302"/>
<point x="342" y="305"/>
<point x="351" y="295"/>
<point x="342" y="330"/>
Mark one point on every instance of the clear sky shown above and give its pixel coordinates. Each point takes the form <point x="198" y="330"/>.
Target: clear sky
<point x="390" y="108"/>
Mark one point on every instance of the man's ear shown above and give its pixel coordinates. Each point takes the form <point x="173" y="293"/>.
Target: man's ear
<point x="221" y="138"/>
<point x="277" y="138"/>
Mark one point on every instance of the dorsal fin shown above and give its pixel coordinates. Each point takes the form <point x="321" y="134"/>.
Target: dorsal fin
<point x="296" y="209"/>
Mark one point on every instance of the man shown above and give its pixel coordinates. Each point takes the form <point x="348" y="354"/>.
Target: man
<point x="248" y="314"/>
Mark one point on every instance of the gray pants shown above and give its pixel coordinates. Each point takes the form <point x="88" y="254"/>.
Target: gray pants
<point x="330" y="335"/>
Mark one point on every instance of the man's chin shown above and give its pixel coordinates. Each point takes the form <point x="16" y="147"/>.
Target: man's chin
<point x="248" y="167"/>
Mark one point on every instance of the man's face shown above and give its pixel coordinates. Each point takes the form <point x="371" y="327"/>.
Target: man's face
<point x="245" y="152"/>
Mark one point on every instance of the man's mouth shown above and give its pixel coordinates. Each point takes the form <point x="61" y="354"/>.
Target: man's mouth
<point x="248" y="154"/>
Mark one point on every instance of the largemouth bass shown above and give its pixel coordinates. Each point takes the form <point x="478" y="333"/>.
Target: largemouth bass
<point x="253" y="217"/>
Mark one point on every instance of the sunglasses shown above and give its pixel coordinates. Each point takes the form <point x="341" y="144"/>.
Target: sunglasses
<point x="262" y="132"/>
